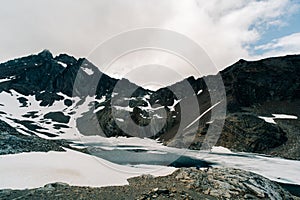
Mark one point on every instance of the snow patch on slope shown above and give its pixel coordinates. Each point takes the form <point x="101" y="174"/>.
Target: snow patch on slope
<point x="31" y="170"/>
<point x="88" y="71"/>
<point x="7" y="79"/>
<point x="62" y="64"/>
<point x="277" y="116"/>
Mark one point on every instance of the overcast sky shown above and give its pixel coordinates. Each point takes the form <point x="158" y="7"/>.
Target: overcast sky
<point x="226" y="29"/>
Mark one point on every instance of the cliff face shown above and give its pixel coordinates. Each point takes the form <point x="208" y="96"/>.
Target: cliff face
<point x="273" y="79"/>
<point x="260" y="89"/>
<point x="253" y="89"/>
<point x="263" y="88"/>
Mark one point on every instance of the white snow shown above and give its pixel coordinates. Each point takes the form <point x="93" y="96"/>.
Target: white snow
<point x="128" y="99"/>
<point x="120" y="119"/>
<point x="158" y="108"/>
<point x="62" y="64"/>
<point x="98" y="109"/>
<point x="157" y="116"/>
<point x="147" y="96"/>
<point x="103" y="98"/>
<point x="114" y="94"/>
<point x="276" y="169"/>
<point x="199" y="92"/>
<point x="31" y="170"/>
<point x="284" y="116"/>
<point x="219" y="149"/>
<point x="119" y="141"/>
<point x="268" y="119"/>
<point x="127" y="108"/>
<point x="201" y="116"/>
<point x="172" y="108"/>
<point x="277" y="116"/>
<point x="88" y="70"/>
<point x="7" y="79"/>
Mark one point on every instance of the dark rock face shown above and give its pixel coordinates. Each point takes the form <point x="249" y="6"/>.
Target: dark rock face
<point x="273" y="83"/>
<point x="31" y="74"/>
<point x="273" y="79"/>
<point x="248" y="85"/>
<point x="58" y="117"/>
<point x="246" y="132"/>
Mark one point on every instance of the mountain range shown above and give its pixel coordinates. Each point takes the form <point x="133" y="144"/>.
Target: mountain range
<point x="39" y="100"/>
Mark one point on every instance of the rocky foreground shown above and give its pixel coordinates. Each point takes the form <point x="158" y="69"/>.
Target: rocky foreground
<point x="185" y="183"/>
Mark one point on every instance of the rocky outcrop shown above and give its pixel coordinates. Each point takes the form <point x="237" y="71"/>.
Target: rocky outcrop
<point x="185" y="183"/>
<point x="230" y="183"/>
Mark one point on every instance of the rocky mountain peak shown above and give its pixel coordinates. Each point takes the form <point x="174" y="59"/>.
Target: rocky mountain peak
<point x="46" y="54"/>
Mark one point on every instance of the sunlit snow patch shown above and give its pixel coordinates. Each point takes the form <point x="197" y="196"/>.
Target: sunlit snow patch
<point x="277" y="116"/>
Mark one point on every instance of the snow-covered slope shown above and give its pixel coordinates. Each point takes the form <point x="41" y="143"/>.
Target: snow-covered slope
<point x="35" y="169"/>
